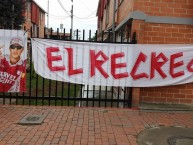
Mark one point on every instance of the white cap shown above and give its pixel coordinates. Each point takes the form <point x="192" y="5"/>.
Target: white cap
<point x="16" y="41"/>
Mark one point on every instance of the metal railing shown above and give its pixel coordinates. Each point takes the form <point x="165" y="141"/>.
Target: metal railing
<point x="41" y="91"/>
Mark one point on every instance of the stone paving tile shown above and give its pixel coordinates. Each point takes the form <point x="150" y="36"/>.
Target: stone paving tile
<point x="83" y="126"/>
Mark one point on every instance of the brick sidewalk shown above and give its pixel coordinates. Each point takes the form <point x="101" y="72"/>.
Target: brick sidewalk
<point x="83" y="126"/>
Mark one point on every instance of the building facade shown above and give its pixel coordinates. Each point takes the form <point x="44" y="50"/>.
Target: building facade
<point x="155" y="22"/>
<point x="35" y="19"/>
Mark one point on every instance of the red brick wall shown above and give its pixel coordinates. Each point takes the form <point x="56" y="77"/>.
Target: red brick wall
<point x="41" y="26"/>
<point x="138" y="27"/>
<point x="104" y="23"/>
<point x="124" y="9"/>
<point x="180" y="94"/>
<point x="167" y="34"/>
<point x="35" y="18"/>
<point x="151" y="33"/>
<point x="175" y="8"/>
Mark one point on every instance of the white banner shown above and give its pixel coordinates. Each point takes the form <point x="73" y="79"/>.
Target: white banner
<point x="108" y="64"/>
<point x="13" y="59"/>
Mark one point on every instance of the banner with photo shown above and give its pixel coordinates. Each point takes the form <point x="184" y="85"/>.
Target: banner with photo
<point x="110" y="64"/>
<point x="13" y="59"/>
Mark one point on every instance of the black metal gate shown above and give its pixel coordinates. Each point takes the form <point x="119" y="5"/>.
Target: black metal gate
<point x="45" y="92"/>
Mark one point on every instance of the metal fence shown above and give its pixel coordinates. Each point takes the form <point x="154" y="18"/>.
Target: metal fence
<point x="45" y="92"/>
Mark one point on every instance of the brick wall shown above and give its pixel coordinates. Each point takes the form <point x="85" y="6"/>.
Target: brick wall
<point x="41" y="27"/>
<point x="175" y="8"/>
<point x="124" y="9"/>
<point x="167" y="34"/>
<point x="40" y="23"/>
<point x="155" y="33"/>
<point x="152" y="33"/>
<point x="180" y="94"/>
<point x="108" y="24"/>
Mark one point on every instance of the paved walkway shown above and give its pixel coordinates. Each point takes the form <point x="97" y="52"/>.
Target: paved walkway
<point x="83" y="126"/>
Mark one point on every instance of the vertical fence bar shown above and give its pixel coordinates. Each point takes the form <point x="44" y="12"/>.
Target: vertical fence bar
<point x="36" y="93"/>
<point x="12" y="27"/>
<point x="119" y="88"/>
<point x="10" y="94"/>
<point x="50" y="82"/>
<point x="43" y="90"/>
<point x="28" y="51"/>
<point x="37" y="83"/>
<point x="43" y="86"/>
<point x="82" y="91"/>
<point x="24" y="93"/>
<point x="130" y="96"/>
<point x="89" y="38"/>
<point x="56" y="82"/>
<point x="64" y="34"/>
<point x="3" y="98"/>
<point x="111" y="101"/>
<point x="130" y="93"/>
<point x="37" y="77"/>
<point x="106" y="91"/>
<point x="62" y="102"/>
<point x="16" y="98"/>
<point x="83" y="38"/>
<point x="125" y="91"/>
<point x="68" y="93"/>
<point x="51" y="30"/>
<point x="38" y="32"/>
<point x="30" y="82"/>
<point x="94" y="85"/>
<point x="118" y="97"/>
<point x="77" y="35"/>
<point x="49" y="93"/>
<point x="81" y="94"/>
<point x="69" y="87"/>
<point x="75" y="92"/>
<point x="87" y="92"/>
<point x="99" y="96"/>
<point x="102" y="40"/>
<point x="56" y="90"/>
<point x="75" y="85"/>
<point x="45" y="32"/>
<point x="87" y="85"/>
<point x="58" y="36"/>
<point x="126" y="94"/>
<point x="62" y="97"/>
<point x="70" y="34"/>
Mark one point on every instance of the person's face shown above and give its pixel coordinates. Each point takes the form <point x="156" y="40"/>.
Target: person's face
<point x="15" y="51"/>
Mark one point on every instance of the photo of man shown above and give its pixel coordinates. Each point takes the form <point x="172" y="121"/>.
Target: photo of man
<point x="13" y="68"/>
